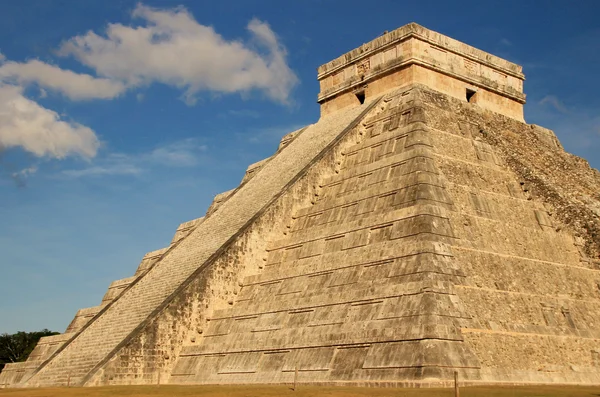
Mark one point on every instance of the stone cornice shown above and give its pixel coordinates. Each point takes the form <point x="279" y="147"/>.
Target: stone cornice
<point x="399" y="63"/>
<point x="424" y="34"/>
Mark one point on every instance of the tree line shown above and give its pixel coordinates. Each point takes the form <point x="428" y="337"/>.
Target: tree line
<point x="17" y="347"/>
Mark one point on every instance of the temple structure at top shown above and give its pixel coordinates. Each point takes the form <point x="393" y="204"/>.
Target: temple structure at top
<point x="413" y="54"/>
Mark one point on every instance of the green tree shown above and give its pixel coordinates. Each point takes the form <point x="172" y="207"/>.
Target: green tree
<point x="17" y="347"/>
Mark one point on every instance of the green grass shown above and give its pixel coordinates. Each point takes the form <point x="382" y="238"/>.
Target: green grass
<point x="303" y="391"/>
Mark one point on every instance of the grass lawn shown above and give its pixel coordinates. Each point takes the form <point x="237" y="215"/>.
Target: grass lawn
<point x="303" y="391"/>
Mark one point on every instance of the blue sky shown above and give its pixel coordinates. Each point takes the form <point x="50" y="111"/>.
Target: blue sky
<point x="120" y="120"/>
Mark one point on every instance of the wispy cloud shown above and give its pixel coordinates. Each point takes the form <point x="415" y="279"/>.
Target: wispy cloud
<point x="505" y="42"/>
<point x="26" y="171"/>
<point x="73" y="85"/>
<point x="20" y="177"/>
<point x="183" y="153"/>
<point x="577" y="127"/>
<point x="554" y="102"/>
<point x="110" y="167"/>
<point x="241" y="113"/>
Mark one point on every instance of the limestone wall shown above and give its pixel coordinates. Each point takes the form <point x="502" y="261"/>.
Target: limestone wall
<point x="185" y="229"/>
<point x="218" y="200"/>
<point x="361" y="288"/>
<point x="115" y="288"/>
<point x="533" y="300"/>
<point x="14" y="373"/>
<point x="254" y="168"/>
<point x="82" y="317"/>
<point x="149" y="260"/>
<point x="47" y="345"/>
<point x="424" y="254"/>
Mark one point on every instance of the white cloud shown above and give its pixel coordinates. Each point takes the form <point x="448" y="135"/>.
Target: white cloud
<point x="73" y="85"/>
<point x="554" y="102"/>
<point x="25" y="124"/>
<point x="240" y="113"/>
<point x="169" y="47"/>
<point x="172" y="48"/>
<point x="116" y="164"/>
<point x="20" y="177"/>
<point x="26" y="171"/>
<point x="183" y="153"/>
<point x="575" y="126"/>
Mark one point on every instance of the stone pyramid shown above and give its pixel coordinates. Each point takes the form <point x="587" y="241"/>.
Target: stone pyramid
<point x="420" y="227"/>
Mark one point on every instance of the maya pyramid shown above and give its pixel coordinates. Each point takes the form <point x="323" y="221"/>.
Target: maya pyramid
<point x="420" y="227"/>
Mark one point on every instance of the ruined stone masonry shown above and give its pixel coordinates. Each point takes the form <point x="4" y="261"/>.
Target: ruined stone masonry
<point x="420" y="227"/>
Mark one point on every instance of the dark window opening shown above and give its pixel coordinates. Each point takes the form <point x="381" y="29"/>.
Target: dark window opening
<point x="360" y="96"/>
<point x="470" y="95"/>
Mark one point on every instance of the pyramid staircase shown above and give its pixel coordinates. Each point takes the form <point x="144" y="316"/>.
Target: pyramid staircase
<point x="76" y="361"/>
